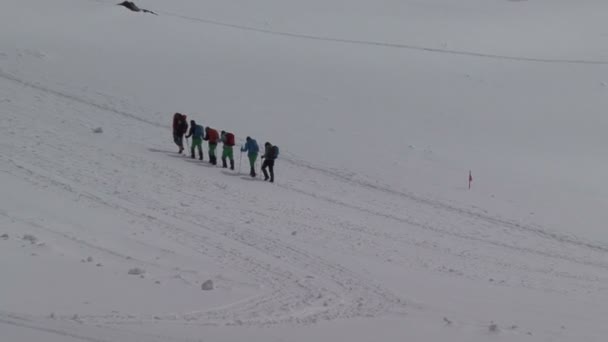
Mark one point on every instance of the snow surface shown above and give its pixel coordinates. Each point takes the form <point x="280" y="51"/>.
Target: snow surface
<point x="380" y="109"/>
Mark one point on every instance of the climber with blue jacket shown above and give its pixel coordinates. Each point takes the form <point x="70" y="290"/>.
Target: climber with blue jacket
<point x="196" y="132"/>
<point x="252" y="149"/>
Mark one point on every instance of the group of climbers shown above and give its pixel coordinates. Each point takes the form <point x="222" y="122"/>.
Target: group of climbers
<point x="211" y="135"/>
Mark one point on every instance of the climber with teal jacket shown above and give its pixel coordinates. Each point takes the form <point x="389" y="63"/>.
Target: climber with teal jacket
<point x="252" y="149"/>
<point x="196" y="132"/>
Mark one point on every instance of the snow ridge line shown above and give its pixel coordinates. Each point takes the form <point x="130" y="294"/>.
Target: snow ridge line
<point x="75" y="98"/>
<point x="81" y="242"/>
<point x="445" y="206"/>
<point x="9" y="320"/>
<point x="43" y="325"/>
<point x="387" y="44"/>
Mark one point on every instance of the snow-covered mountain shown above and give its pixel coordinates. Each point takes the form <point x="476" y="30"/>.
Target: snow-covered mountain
<point x="380" y="109"/>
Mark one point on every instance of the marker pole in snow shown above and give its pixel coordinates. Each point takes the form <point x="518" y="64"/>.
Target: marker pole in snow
<point x="470" y="179"/>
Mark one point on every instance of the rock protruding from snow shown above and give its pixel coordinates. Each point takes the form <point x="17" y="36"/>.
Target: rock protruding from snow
<point x="98" y="130"/>
<point x="4" y="236"/>
<point x="131" y="5"/>
<point x="207" y="286"/>
<point x="31" y="238"/>
<point x="136" y="271"/>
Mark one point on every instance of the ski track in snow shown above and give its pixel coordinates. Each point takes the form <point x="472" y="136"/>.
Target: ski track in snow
<point x="301" y="286"/>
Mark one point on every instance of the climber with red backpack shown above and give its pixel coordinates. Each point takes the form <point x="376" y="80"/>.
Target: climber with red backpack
<point x="227" y="149"/>
<point x="180" y="127"/>
<point x="271" y="153"/>
<point x="212" y="137"/>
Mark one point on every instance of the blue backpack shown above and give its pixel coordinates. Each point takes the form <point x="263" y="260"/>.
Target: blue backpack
<point x="198" y="132"/>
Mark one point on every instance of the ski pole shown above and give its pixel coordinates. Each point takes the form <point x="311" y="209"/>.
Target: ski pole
<point x="187" y="143"/>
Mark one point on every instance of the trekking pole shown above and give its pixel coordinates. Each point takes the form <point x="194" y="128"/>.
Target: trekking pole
<point x="187" y="144"/>
<point x="240" y="160"/>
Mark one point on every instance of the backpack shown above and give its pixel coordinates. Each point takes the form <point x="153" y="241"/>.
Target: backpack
<point x="229" y="139"/>
<point x="176" y="120"/>
<point x="198" y="132"/>
<point x="275" y="152"/>
<point x="182" y="126"/>
<point x="212" y="136"/>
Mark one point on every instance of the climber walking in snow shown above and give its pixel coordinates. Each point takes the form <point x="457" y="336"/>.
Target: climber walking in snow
<point x="227" y="150"/>
<point x="180" y="127"/>
<point x="196" y="132"/>
<point x="252" y="149"/>
<point x="212" y="137"/>
<point x="270" y="155"/>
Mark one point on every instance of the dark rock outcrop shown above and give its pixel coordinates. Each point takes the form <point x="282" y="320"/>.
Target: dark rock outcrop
<point x="133" y="7"/>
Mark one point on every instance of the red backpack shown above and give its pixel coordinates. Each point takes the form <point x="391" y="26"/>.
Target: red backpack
<point x="212" y="135"/>
<point x="229" y="139"/>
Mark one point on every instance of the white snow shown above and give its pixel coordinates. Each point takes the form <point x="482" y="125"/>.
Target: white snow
<point x="380" y="109"/>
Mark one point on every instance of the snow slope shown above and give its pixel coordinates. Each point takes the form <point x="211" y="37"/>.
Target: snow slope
<point x="380" y="109"/>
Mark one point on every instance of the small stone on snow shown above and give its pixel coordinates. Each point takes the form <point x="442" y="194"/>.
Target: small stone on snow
<point x="136" y="271"/>
<point x="31" y="238"/>
<point x="208" y="285"/>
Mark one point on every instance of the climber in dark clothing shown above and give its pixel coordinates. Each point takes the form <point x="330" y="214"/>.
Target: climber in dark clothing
<point x="271" y="153"/>
<point x="133" y="7"/>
